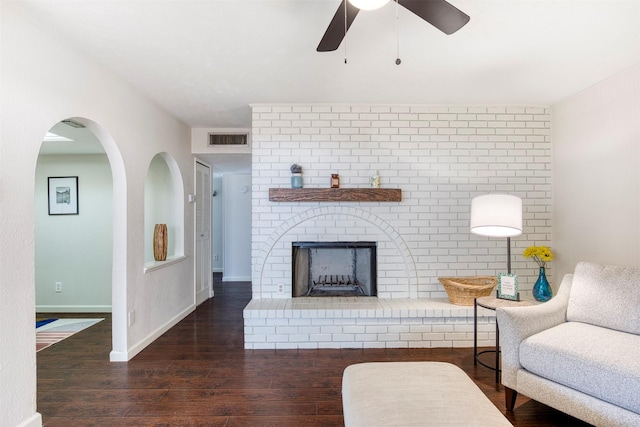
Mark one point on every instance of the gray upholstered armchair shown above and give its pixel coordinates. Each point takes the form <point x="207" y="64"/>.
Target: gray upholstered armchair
<point x="580" y="351"/>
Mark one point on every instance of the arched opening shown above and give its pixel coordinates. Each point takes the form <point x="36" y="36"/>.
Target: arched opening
<point x="80" y="225"/>
<point x="73" y="222"/>
<point x="163" y="196"/>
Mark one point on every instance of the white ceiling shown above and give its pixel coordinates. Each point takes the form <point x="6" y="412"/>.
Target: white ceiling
<point x="207" y="61"/>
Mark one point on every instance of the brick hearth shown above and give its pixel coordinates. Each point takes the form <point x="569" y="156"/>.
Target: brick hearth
<point x="363" y="322"/>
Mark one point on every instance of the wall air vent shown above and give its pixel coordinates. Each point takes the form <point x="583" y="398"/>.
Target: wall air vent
<point x="218" y="139"/>
<point x="73" y="123"/>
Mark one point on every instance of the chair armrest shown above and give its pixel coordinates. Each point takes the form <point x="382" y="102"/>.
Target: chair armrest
<point x="518" y="323"/>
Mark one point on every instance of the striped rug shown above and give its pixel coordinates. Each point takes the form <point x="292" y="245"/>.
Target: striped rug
<point x="60" y="329"/>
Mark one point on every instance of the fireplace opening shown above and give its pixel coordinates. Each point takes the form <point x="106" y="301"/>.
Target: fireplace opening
<point x="334" y="269"/>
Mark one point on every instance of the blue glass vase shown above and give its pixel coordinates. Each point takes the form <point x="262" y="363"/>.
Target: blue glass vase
<point x="541" y="290"/>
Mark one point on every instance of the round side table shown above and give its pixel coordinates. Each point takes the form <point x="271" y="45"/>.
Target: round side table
<point x="491" y="303"/>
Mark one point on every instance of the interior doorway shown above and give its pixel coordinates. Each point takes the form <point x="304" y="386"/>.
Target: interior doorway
<point x="80" y="227"/>
<point x="73" y="222"/>
<point x="225" y="166"/>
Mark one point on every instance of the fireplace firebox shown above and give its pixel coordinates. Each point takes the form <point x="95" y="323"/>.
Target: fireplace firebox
<point x="334" y="269"/>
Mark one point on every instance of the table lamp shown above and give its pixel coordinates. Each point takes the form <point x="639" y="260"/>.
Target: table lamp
<point x="497" y="215"/>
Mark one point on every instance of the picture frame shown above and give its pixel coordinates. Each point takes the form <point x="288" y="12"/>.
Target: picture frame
<point x="63" y="195"/>
<point x="508" y="287"/>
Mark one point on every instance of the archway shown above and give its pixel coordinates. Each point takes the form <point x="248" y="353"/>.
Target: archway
<point x="81" y="247"/>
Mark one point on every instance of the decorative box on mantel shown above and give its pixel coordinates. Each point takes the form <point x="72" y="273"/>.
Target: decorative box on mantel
<point x="335" y="195"/>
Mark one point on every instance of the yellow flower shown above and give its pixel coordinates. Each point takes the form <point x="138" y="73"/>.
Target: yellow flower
<point x="540" y="254"/>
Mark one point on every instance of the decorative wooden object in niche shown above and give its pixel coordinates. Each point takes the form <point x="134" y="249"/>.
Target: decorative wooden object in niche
<point x="335" y="195"/>
<point x="160" y="242"/>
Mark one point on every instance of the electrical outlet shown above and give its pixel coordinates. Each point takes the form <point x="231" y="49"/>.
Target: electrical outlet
<point x="58" y="287"/>
<point x="281" y="288"/>
<point x="131" y="318"/>
<point x="215" y="257"/>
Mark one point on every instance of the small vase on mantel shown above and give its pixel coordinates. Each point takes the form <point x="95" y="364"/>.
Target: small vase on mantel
<point x="296" y="176"/>
<point x="296" y="180"/>
<point x="541" y="289"/>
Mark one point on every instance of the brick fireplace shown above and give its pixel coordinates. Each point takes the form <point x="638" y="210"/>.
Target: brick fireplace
<point x="440" y="157"/>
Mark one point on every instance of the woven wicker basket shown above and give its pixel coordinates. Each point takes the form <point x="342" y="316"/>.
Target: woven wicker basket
<point x="462" y="290"/>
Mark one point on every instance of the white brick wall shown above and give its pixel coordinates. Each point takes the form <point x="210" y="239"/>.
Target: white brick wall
<point x="354" y="322"/>
<point x="440" y="156"/>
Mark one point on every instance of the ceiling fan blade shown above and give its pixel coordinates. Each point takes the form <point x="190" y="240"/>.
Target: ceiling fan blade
<point x="439" y="13"/>
<point x="336" y="30"/>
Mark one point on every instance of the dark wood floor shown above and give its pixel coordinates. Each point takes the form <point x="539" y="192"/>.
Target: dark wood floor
<point x="198" y="374"/>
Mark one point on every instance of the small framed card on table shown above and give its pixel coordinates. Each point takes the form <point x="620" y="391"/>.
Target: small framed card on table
<point x="508" y="286"/>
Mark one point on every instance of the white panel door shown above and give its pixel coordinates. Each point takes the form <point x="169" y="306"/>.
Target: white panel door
<point x="203" y="274"/>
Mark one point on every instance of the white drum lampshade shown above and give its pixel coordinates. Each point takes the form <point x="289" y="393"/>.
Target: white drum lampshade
<point x="496" y="215"/>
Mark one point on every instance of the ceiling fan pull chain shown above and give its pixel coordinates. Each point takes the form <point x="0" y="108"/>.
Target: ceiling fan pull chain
<point x="398" y="61"/>
<point x="345" y="31"/>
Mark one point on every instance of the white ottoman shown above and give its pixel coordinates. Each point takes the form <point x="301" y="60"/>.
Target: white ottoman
<point x="414" y="394"/>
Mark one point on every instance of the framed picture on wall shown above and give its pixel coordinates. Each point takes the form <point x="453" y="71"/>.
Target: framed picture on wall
<point x="63" y="195"/>
<point x="508" y="286"/>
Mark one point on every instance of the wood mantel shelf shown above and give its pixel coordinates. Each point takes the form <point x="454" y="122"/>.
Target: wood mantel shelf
<point x="335" y="194"/>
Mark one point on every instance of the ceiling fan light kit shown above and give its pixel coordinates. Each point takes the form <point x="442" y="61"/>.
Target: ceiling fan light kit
<point x="439" y="13"/>
<point x="368" y="4"/>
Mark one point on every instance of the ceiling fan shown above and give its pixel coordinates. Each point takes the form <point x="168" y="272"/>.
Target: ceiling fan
<point x="439" y="13"/>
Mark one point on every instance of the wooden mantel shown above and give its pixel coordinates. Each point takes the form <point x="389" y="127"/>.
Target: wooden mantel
<point x="335" y="194"/>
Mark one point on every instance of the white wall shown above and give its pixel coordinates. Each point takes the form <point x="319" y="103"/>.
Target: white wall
<point x="75" y="249"/>
<point x="236" y="196"/>
<point x="217" y="248"/>
<point x="441" y="157"/>
<point x="132" y="130"/>
<point x="596" y="174"/>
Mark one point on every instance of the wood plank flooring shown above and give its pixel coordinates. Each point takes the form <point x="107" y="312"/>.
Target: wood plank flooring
<point x="198" y="374"/>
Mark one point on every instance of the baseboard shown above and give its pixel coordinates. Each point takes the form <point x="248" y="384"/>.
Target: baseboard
<point x="236" y="278"/>
<point x="73" y="309"/>
<point x="118" y="356"/>
<point x="34" y="420"/>
<point x="203" y="295"/>
<point x="137" y="348"/>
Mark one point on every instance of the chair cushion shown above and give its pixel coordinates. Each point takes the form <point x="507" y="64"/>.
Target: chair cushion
<point x="605" y="295"/>
<point x="600" y="362"/>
